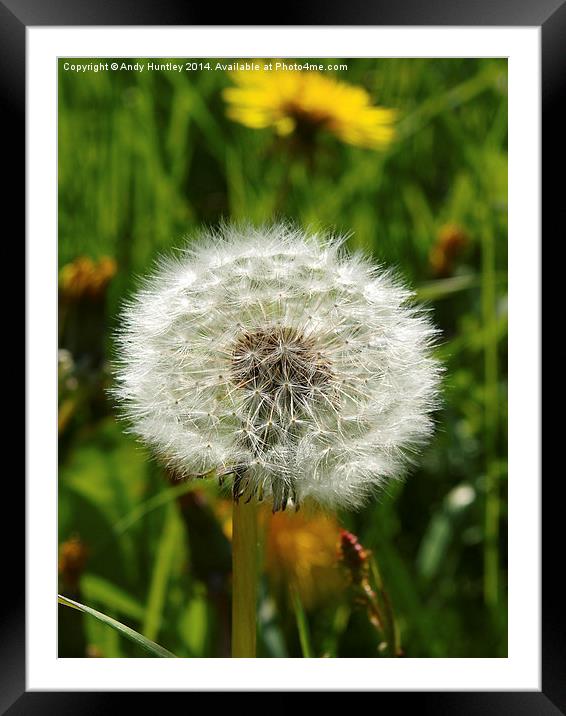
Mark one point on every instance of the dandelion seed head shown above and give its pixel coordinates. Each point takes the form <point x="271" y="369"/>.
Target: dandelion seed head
<point x="272" y="356"/>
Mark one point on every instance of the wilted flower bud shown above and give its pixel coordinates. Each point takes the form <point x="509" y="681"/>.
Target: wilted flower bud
<point x="451" y="242"/>
<point x="354" y="557"/>
<point x="73" y="555"/>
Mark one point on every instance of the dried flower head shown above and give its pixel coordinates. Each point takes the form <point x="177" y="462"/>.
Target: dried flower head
<point x="269" y="355"/>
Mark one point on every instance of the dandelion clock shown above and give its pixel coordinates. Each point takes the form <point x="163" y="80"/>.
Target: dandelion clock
<point x="271" y="359"/>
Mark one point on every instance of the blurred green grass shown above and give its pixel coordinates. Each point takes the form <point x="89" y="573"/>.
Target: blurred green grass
<point x="144" y="159"/>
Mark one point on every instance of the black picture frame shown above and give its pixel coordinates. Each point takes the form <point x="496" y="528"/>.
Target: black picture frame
<point x="15" y="16"/>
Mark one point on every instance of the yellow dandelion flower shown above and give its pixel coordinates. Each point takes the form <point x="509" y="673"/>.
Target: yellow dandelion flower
<point x="301" y="552"/>
<point x="304" y="102"/>
<point x="84" y="277"/>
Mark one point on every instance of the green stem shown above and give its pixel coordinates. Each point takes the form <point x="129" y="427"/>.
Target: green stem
<point x="302" y="624"/>
<point x="244" y="579"/>
<point x="492" y="503"/>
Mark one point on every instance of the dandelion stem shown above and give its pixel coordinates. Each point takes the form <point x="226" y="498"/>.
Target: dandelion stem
<point x="244" y="578"/>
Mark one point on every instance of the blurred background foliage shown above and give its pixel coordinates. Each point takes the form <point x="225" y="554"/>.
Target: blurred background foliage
<point x="145" y="158"/>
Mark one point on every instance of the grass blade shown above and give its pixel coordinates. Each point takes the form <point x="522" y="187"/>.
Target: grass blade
<point x="491" y="420"/>
<point x="98" y="590"/>
<point x="149" y="646"/>
<point x="302" y="624"/>
<point x="171" y="537"/>
<point x="163" y="498"/>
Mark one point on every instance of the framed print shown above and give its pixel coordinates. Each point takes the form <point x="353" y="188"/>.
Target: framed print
<point x="283" y="289"/>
